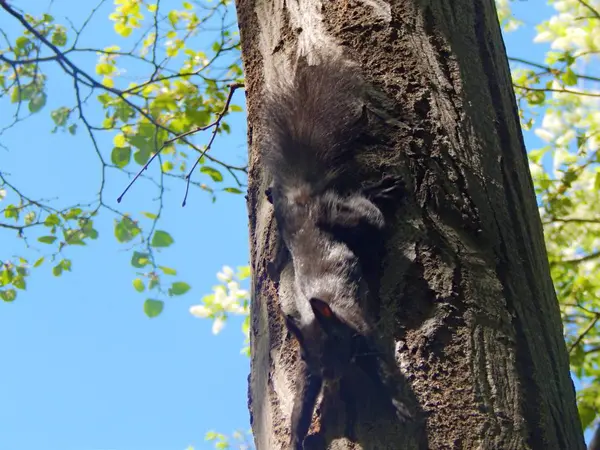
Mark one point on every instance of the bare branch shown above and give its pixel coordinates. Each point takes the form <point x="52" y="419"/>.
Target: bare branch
<point x="589" y="328"/>
<point x="562" y="91"/>
<point x="571" y="220"/>
<point x="576" y="261"/>
<point x="552" y="70"/>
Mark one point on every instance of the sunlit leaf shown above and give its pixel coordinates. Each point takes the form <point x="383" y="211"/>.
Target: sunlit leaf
<point x="161" y="239"/>
<point x="153" y="308"/>
<point x="179" y="288"/>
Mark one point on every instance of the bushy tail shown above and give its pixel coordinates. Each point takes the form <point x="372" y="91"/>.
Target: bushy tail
<point x="310" y="123"/>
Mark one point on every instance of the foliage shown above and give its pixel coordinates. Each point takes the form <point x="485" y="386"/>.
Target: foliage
<point x="227" y="298"/>
<point x="222" y="442"/>
<point x="560" y="100"/>
<point x="184" y="71"/>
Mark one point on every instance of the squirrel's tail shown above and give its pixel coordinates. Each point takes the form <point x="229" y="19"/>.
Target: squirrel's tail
<point x="310" y="123"/>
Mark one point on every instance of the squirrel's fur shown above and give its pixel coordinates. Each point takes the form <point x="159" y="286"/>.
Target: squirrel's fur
<point x="312" y="123"/>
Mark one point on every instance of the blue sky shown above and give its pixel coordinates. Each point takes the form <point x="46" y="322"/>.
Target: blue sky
<point x="83" y="367"/>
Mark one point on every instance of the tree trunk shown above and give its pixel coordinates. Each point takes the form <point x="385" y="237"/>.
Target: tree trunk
<point x="465" y="292"/>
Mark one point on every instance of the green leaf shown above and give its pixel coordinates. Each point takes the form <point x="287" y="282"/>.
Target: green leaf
<point x="39" y="262"/>
<point x="243" y="272"/>
<point x="536" y="97"/>
<point x="87" y="227"/>
<point x="6" y="277"/>
<point x="138" y="284"/>
<point x="126" y="229"/>
<point x="210" y="435"/>
<point x="597" y="181"/>
<point x="21" y="42"/>
<point x="122" y="29"/>
<point x="586" y="415"/>
<point x="161" y="239"/>
<point x="153" y="308"/>
<point x="52" y="220"/>
<point x="73" y="212"/>
<point x="569" y="77"/>
<point x="153" y="283"/>
<point x="19" y="283"/>
<point x="57" y="270"/>
<point x="232" y="190"/>
<point x="173" y="17"/>
<point x="72" y="128"/>
<point x="120" y="156"/>
<point x="60" y="116"/>
<point x="66" y="264"/>
<point x="139" y="260"/>
<point x="37" y="102"/>
<point x="141" y="157"/>
<point x="8" y="295"/>
<point x="140" y="142"/>
<point x="213" y="173"/>
<point x="168" y="270"/>
<point x="150" y="215"/>
<point x="11" y="212"/>
<point x="74" y="237"/>
<point x="59" y="37"/>
<point x="179" y="288"/>
<point x="47" y="239"/>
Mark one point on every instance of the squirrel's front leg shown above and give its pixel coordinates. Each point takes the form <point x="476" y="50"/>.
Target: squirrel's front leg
<point x="308" y="386"/>
<point x="363" y="209"/>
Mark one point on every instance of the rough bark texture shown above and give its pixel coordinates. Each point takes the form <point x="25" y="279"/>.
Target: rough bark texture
<point x="465" y="293"/>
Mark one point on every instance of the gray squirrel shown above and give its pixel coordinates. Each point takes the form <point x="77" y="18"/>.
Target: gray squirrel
<point x="328" y="225"/>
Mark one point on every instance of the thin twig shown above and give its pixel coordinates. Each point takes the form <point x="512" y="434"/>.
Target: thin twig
<point x="573" y="220"/>
<point x="551" y="69"/>
<point x="217" y="124"/>
<point x="590" y="8"/>
<point x="577" y="260"/>
<point x="586" y="331"/>
<point x="562" y="91"/>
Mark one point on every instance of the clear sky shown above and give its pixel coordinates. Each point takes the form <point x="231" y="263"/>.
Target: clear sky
<point x="82" y="367"/>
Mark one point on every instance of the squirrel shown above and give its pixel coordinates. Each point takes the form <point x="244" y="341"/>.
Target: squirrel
<point x="327" y="221"/>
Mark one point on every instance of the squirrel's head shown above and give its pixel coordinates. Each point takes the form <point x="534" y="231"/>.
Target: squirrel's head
<point x="328" y="344"/>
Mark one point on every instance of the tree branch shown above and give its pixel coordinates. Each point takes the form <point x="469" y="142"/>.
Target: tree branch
<point x="573" y="220"/>
<point x="578" y="260"/>
<point x="551" y="69"/>
<point x="595" y="13"/>
<point x="589" y="328"/>
<point x="562" y="91"/>
<point x="217" y="124"/>
<point x="71" y="69"/>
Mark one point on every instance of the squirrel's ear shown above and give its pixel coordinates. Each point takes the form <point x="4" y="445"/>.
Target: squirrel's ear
<point x="323" y="313"/>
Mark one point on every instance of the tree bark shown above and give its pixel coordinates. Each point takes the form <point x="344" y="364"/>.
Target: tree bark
<point x="465" y="293"/>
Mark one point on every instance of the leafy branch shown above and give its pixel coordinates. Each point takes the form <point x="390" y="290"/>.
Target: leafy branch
<point x="154" y="120"/>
